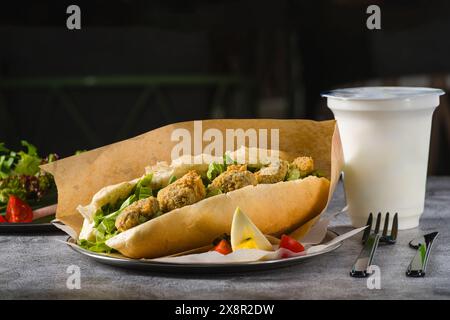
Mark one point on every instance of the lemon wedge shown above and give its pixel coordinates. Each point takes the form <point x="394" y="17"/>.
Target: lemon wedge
<point x="249" y="243"/>
<point x="245" y="235"/>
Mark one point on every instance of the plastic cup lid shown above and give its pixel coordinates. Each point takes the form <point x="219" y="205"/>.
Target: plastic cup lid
<point x="381" y="93"/>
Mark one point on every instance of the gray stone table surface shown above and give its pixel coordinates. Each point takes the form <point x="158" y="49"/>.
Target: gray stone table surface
<point x="35" y="267"/>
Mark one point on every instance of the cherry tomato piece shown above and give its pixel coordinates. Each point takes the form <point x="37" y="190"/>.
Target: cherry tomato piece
<point x="18" y="211"/>
<point x="290" y="244"/>
<point x="223" y="247"/>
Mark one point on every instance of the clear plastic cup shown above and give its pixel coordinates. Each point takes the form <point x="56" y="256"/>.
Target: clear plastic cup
<point x="385" y="133"/>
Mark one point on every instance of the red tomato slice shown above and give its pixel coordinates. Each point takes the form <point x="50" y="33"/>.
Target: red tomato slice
<point x="290" y="244"/>
<point x="2" y="219"/>
<point x="223" y="247"/>
<point x="18" y="211"/>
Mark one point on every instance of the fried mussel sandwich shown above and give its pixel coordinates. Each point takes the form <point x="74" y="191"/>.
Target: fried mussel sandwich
<point x="190" y="202"/>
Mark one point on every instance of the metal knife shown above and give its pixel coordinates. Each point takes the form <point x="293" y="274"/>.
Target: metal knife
<point x="418" y="265"/>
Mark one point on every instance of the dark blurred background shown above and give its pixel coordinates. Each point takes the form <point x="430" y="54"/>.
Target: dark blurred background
<point x="137" y="65"/>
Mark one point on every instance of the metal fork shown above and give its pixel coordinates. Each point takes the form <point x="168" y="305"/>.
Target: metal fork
<point x="370" y="240"/>
<point x="385" y="238"/>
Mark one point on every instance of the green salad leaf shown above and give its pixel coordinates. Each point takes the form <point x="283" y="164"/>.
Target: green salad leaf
<point x="227" y="160"/>
<point x="3" y="148"/>
<point x="19" y="163"/>
<point x="105" y="218"/>
<point x="125" y="204"/>
<point x="318" y="173"/>
<point x="27" y="164"/>
<point x="6" y="163"/>
<point x="293" y="174"/>
<point x="143" y="188"/>
<point x="144" y="193"/>
<point x="214" y="170"/>
<point x="21" y="176"/>
<point x="172" y="179"/>
<point x="32" y="150"/>
<point x="213" y="192"/>
<point x="100" y="247"/>
<point x="145" y="181"/>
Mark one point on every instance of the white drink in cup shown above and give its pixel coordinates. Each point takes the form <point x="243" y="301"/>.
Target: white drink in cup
<point x="385" y="133"/>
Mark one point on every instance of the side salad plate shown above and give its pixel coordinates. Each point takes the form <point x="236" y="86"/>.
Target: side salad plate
<point x="28" y="195"/>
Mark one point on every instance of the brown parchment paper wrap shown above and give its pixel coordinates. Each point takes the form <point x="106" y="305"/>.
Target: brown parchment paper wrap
<point x="79" y="177"/>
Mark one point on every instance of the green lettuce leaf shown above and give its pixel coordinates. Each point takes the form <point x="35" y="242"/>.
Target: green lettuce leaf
<point x="31" y="149"/>
<point x="227" y="160"/>
<point x="172" y="179"/>
<point x="98" y="246"/>
<point x="3" y="148"/>
<point x="28" y="163"/>
<point x="318" y="173"/>
<point x="293" y="174"/>
<point x="145" y="181"/>
<point x="144" y="193"/>
<point x="213" y="192"/>
<point x="105" y="218"/>
<point x="214" y="170"/>
<point x="6" y="164"/>
<point x="143" y="189"/>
